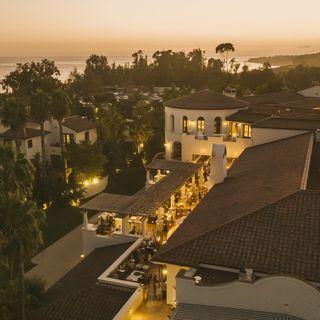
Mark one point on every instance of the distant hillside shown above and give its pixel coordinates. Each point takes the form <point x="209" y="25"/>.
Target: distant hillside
<point x="286" y="60"/>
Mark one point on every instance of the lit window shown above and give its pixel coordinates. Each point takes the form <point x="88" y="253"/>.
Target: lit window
<point x="185" y="124"/>
<point x="246" y="131"/>
<point x="29" y="142"/>
<point x="200" y="125"/>
<point x="68" y="138"/>
<point x="233" y="129"/>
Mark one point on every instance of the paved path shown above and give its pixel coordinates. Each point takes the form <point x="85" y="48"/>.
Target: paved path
<point x="55" y="261"/>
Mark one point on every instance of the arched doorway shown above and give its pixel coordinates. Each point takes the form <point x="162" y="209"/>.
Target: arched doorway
<point x="177" y="150"/>
<point x="217" y="125"/>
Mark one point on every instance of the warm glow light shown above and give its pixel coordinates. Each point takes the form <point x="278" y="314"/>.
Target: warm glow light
<point x="95" y="180"/>
<point x="82" y="256"/>
<point x="86" y="183"/>
<point x="164" y="272"/>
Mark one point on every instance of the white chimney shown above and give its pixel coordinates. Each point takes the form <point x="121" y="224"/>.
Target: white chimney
<point x="218" y="165"/>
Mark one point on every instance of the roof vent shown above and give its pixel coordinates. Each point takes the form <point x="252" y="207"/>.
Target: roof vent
<point x="197" y="280"/>
<point x="246" y="275"/>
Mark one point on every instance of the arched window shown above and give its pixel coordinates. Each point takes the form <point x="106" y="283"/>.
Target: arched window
<point x="172" y="123"/>
<point x="200" y="125"/>
<point x="217" y="125"/>
<point x="185" y="124"/>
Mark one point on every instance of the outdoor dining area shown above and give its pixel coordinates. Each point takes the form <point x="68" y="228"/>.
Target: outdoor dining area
<point x="137" y="267"/>
<point x="173" y="189"/>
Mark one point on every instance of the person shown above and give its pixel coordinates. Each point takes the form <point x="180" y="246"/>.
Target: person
<point x="158" y="290"/>
<point x="163" y="289"/>
<point x="154" y="284"/>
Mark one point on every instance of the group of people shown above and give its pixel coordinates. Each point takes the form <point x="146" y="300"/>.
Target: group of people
<point x="106" y="225"/>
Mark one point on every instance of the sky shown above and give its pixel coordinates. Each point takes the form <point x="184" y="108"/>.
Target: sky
<point x="119" y="27"/>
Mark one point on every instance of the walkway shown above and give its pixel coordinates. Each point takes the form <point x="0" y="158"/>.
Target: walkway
<point x="55" y="261"/>
<point x="152" y="309"/>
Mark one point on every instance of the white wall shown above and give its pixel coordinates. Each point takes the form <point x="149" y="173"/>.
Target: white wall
<point x="91" y="240"/>
<point x="263" y="135"/>
<point x="172" y="272"/>
<point x="313" y="92"/>
<point x="277" y="294"/>
<point x="191" y="146"/>
<point x="80" y="136"/>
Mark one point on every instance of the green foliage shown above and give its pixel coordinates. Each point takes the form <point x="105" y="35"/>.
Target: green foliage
<point x="29" y="77"/>
<point x="9" y="302"/>
<point x="86" y="158"/>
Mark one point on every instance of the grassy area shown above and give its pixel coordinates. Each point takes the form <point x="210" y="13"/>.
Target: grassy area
<point x="60" y="221"/>
<point x="127" y="181"/>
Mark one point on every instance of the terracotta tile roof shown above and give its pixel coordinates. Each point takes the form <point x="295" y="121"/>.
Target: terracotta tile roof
<point x="186" y="311"/>
<point x="24" y="134"/>
<point x="78" y="296"/>
<point x="98" y="302"/>
<point x="258" y="218"/>
<point x="286" y="123"/>
<point x="146" y="201"/>
<point x="247" y="116"/>
<point x="79" y="124"/>
<point x="206" y="100"/>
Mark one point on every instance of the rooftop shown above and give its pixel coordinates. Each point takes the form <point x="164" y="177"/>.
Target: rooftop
<point x="200" y="312"/>
<point x="146" y="201"/>
<point x="287" y="123"/>
<point x="78" y="296"/>
<point x="207" y="100"/>
<point x="78" y="124"/>
<point x="257" y="218"/>
<point x="23" y="134"/>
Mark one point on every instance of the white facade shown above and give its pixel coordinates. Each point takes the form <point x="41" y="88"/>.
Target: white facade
<point x="194" y="144"/>
<point x="278" y="294"/>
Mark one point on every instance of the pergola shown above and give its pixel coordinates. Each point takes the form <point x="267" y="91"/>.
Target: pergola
<point x="174" y="175"/>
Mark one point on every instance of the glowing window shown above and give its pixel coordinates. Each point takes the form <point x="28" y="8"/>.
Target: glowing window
<point x="200" y="125"/>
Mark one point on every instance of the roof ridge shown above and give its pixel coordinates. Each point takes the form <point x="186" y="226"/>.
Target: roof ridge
<point x="273" y="142"/>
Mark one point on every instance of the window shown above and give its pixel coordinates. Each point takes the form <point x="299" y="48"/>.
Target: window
<point x="87" y="136"/>
<point x="233" y="129"/>
<point x="217" y="125"/>
<point x="185" y="124"/>
<point x="68" y="138"/>
<point x="172" y="123"/>
<point x="177" y="150"/>
<point x="200" y="125"/>
<point x="246" y="131"/>
<point x="30" y="145"/>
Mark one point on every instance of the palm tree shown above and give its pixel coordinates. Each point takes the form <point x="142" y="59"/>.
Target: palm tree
<point x="14" y="115"/>
<point x="20" y="218"/>
<point x="112" y="125"/>
<point x="60" y="109"/>
<point x="40" y="104"/>
<point x="21" y="222"/>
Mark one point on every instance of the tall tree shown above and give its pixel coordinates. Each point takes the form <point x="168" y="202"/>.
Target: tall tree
<point x="14" y="115"/>
<point x="21" y="222"/>
<point x="61" y="104"/>
<point x="40" y="104"/>
<point x="224" y="49"/>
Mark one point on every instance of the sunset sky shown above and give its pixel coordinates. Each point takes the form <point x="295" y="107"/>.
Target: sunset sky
<point x="79" y="27"/>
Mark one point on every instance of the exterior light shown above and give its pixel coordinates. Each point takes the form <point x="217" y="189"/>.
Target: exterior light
<point x="141" y="145"/>
<point x="164" y="272"/>
<point x="95" y="180"/>
<point x="82" y="256"/>
<point x="86" y="183"/>
<point x="164" y="144"/>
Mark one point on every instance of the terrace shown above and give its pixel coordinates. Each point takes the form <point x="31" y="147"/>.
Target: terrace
<point x="172" y="190"/>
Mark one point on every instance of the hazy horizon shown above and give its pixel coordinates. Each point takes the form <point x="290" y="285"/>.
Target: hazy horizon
<point x="118" y="28"/>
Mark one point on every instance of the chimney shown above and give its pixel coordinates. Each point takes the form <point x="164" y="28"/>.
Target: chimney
<point x="218" y="165"/>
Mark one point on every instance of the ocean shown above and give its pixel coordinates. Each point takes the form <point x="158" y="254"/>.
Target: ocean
<point x="68" y="64"/>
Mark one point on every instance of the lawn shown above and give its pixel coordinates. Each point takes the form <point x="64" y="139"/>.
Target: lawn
<point x="128" y="181"/>
<point x="60" y="221"/>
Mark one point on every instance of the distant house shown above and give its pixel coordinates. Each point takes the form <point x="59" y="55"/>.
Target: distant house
<point x="313" y="92"/>
<point x="29" y="138"/>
